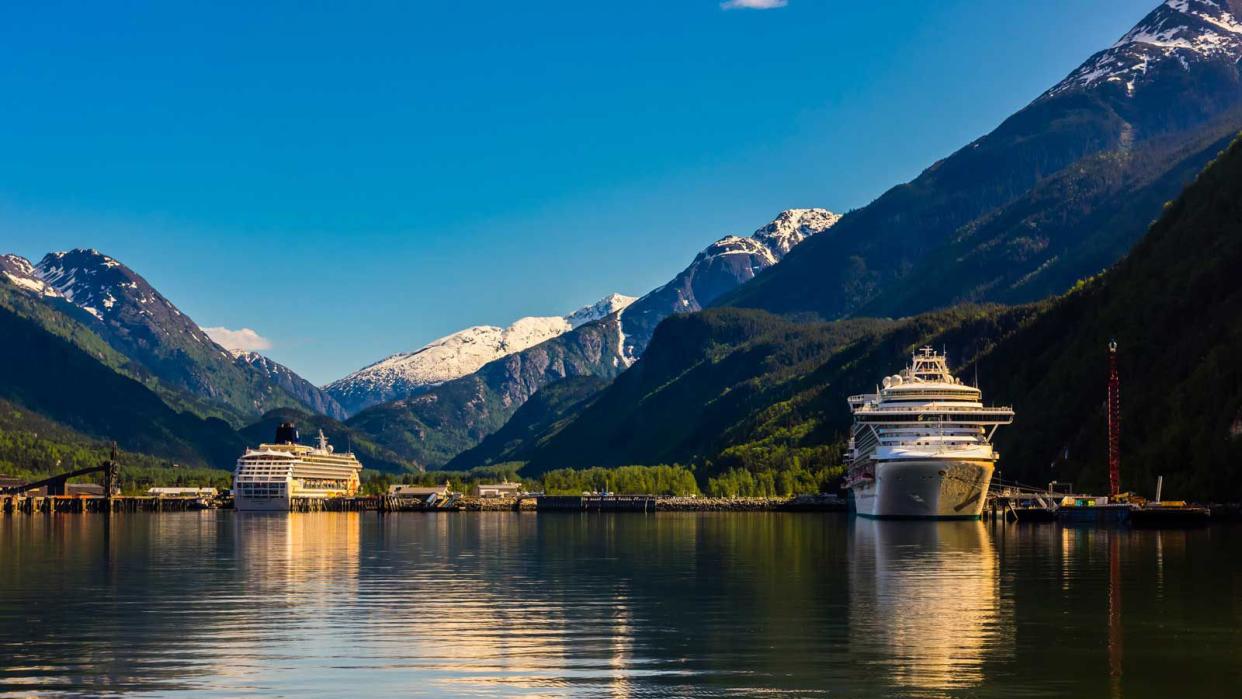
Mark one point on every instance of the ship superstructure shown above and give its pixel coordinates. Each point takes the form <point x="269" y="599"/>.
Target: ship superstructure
<point x="272" y="476"/>
<point x="921" y="445"/>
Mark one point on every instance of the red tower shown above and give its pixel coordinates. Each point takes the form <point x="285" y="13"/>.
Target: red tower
<point x="1114" y="422"/>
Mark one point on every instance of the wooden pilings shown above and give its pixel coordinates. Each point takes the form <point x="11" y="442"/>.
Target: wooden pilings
<point x="52" y="504"/>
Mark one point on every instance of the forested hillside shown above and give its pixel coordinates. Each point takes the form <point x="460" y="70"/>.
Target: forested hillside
<point x="537" y="417"/>
<point x="1174" y="305"/>
<point x="51" y="376"/>
<point x="733" y="390"/>
<point x="741" y="391"/>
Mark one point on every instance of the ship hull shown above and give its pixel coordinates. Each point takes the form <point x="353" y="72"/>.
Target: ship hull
<point x="242" y="503"/>
<point x="925" y="489"/>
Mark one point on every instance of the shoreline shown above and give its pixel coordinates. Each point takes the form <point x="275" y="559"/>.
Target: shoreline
<point x="798" y="503"/>
<point x="43" y="504"/>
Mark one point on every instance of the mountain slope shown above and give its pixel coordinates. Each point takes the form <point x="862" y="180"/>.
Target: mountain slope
<point x="1174" y="305"/>
<point x="720" y="392"/>
<point x="538" y="416"/>
<point x="442" y="421"/>
<point x="285" y="379"/>
<point x="1045" y="198"/>
<point x="457" y="355"/>
<point x="54" y="378"/>
<point x="732" y="388"/>
<point x="434" y="426"/>
<point x="134" y="319"/>
<point x="720" y="268"/>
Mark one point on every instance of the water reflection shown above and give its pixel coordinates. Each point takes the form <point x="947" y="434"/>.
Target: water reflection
<point x="629" y="605"/>
<point x="928" y="593"/>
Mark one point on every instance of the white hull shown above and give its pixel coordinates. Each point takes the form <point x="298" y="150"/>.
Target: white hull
<point x="925" y="489"/>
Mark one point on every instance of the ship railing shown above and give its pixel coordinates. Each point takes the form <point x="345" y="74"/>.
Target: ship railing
<point x="940" y="407"/>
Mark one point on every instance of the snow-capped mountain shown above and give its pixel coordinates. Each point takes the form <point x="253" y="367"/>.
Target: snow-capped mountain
<point x="140" y="323"/>
<point x="721" y="267"/>
<point x="1176" y="35"/>
<point x="458" y="354"/>
<point x="116" y="295"/>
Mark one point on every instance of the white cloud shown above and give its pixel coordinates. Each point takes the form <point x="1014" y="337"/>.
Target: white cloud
<point x="244" y="340"/>
<point x="753" y="4"/>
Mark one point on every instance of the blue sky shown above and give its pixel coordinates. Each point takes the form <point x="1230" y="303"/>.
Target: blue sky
<point x="356" y="179"/>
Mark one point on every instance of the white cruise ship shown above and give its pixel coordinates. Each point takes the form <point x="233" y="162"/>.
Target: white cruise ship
<point x="921" y="447"/>
<point x="270" y="477"/>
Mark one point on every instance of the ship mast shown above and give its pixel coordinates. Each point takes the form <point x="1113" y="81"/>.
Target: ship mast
<point x="1114" y="422"/>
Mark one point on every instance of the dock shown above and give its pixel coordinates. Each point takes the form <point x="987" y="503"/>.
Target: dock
<point x="596" y="503"/>
<point x="52" y="504"/>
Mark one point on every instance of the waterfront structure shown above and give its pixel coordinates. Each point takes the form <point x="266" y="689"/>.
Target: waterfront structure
<point x="418" y="491"/>
<point x="496" y="490"/>
<point x="275" y="475"/>
<point x="921" y="445"/>
<point x="181" y="492"/>
<point x="420" y="497"/>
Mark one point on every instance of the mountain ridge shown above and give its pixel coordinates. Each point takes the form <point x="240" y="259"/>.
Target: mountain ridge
<point x="1065" y="137"/>
<point x="458" y="354"/>
<point x="121" y="307"/>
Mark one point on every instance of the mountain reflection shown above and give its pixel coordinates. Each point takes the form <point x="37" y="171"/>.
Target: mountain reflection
<point x="929" y="594"/>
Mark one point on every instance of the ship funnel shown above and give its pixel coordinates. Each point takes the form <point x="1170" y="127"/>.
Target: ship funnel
<point x="287" y="433"/>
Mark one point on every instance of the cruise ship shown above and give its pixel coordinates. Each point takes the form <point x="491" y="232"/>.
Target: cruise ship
<point x="272" y="476"/>
<point x="921" y="445"/>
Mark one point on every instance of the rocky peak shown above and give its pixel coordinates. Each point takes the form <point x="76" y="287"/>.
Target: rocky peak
<point x="769" y="244"/>
<point x="794" y="226"/>
<point x="600" y="309"/>
<point x="1178" y="33"/>
<point x="94" y="282"/>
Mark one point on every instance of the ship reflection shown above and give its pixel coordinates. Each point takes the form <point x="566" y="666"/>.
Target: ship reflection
<point x="292" y="552"/>
<point x="924" y="602"/>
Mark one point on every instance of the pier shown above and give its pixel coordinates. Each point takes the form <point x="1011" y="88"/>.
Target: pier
<point x="52" y="504"/>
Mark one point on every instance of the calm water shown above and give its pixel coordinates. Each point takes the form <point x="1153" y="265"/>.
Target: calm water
<point x="231" y="604"/>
